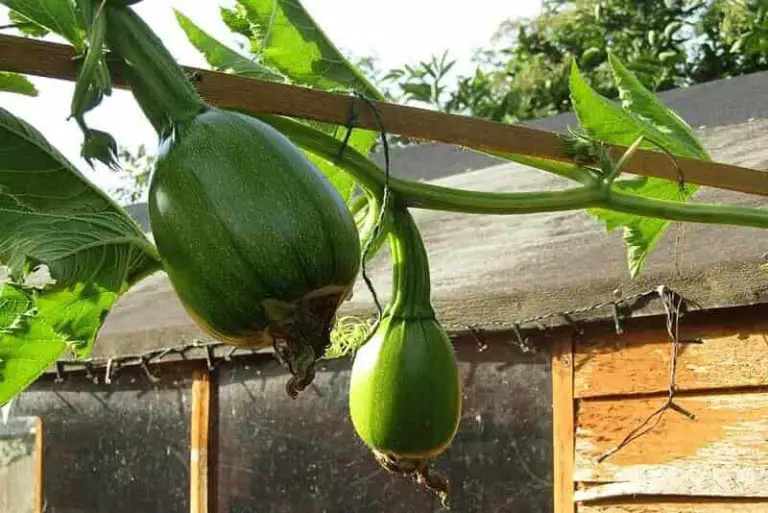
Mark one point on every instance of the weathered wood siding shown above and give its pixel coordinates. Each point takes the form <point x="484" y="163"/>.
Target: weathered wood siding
<point x="717" y="461"/>
<point x="691" y="506"/>
<point x="638" y="361"/>
<point x="723" y="452"/>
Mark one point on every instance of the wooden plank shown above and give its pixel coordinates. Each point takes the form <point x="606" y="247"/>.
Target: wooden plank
<point x="198" y="472"/>
<point x="563" y="425"/>
<point x="39" y="471"/>
<point x="692" y="505"/>
<point x="51" y="60"/>
<point x="637" y="362"/>
<point x="722" y="453"/>
<point x="20" y="465"/>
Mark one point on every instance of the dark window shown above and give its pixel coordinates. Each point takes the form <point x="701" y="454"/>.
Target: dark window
<point x="119" y="448"/>
<point x="280" y="455"/>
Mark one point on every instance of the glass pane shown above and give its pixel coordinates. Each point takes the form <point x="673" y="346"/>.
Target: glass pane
<point x="119" y="448"/>
<point x="278" y="455"/>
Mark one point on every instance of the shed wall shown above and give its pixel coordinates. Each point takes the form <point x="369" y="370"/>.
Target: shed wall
<point x="277" y="455"/>
<point x="715" y="461"/>
<point x="125" y="446"/>
<point x="119" y="448"/>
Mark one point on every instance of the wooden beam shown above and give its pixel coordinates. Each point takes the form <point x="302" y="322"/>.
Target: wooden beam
<point x="563" y="422"/>
<point x="200" y="433"/>
<point x="51" y="60"/>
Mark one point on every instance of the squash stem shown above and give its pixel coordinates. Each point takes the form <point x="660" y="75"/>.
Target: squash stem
<point x="433" y="197"/>
<point x="411" y="283"/>
<point x="157" y="81"/>
<point x="687" y="212"/>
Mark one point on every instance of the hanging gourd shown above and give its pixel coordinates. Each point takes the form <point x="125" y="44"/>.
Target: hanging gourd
<point x="405" y="393"/>
<point x="259" y="246"/>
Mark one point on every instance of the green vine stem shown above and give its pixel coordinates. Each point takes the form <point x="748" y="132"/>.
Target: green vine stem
<point x="410" y="269"/>
<point x="686" y="212"/>
<point x="572" y="171"/>
<point x="157" y="81"/>
<point x="591" y="195"/>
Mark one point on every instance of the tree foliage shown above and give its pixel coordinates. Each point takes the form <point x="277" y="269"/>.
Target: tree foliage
<point x="523" y="73"/>
<point x="135" y="170"/>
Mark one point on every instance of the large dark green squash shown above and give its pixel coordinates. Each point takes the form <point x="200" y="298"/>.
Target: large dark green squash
<point x="259" y="246"/>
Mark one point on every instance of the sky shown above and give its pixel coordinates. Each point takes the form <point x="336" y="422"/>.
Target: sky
<point x="396" y="32"/>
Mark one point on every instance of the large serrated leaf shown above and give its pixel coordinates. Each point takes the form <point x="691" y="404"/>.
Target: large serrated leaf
<point x="52" y="216"/>
<point x="28" y="345"/>
<point x="38" y="327"/>
<point x="58" y="16"/>
<point x="638" y="100"/>
<point x="221" y="57"/>
<point x="287" y="38"/>
<point x="16" y="83"/>
<point x="77" y="311"/>
<point x="26" y="26"/>
<point x="604" y="120"/>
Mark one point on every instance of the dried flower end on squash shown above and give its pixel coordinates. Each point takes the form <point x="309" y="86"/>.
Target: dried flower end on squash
<point x="258" y="245"/>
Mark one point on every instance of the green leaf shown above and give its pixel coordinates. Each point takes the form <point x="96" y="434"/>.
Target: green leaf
<point x="16" y="83"/>
<point x="77" y="311"/>
<point x="645" y="105"/>
<point x="288" y="38"/>
<point x="27" y="26"/>
<point x="28" y="345"/>
<point x="52" y="216"/>
<point x="418" y="91"/>
<point x="57" y="16"/>
<point x="604" y="120"/>
<point x="220" y="56"/>
<point x="38" y="327"/>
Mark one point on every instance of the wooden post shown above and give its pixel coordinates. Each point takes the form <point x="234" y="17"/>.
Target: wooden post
<point x="563" y="425"/>
<point x="40" y="500"/>
<point x="201" y="414"/>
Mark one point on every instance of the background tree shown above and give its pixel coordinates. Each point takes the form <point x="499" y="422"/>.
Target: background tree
<point x="523" y="74"/>
<point x="135" y="169"/>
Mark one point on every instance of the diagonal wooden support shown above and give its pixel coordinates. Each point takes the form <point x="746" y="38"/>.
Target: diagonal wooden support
<point x="52" y="60"/>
